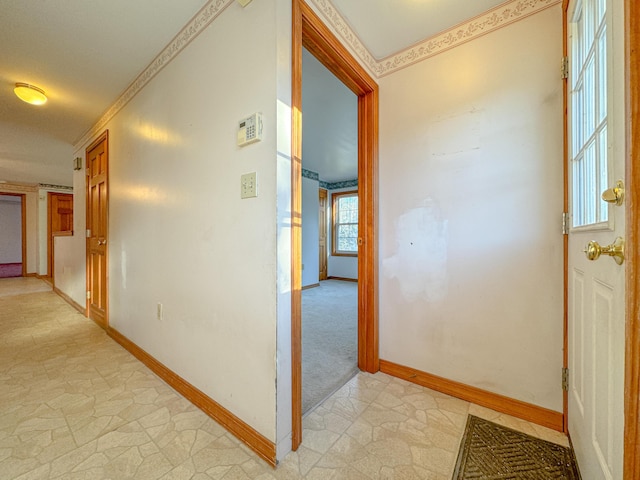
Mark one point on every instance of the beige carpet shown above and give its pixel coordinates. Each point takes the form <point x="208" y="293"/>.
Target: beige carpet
<point x="329" y="339"/>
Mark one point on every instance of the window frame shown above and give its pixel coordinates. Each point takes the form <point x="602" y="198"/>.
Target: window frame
<point x="584" y="196"/>
<point x="335" y="198"/>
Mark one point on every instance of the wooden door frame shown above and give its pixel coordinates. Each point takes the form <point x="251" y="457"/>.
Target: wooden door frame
<point x="103" y="137"/>
<point x="565" y="208"/>
<point x="309" y="31"/>
<point x="49" y="241"/>
<point x="325" y="254"/>
<point x="632" y="246"/>
<point x="23" y="208"/>
<point x="51" y="235"/>
<point x="23" y="226"/>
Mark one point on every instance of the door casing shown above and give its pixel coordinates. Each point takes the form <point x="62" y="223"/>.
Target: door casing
<point x="309" y="31"/>
<point x="103" y="322"/>
<point x="632" y="253"/>
<point x="322" y="233"/>
<point x="632" y="248"/>
<point x="53" y="230"/>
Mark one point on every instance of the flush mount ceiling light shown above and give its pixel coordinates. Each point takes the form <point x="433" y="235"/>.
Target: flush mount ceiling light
<point x="30" y="94"/>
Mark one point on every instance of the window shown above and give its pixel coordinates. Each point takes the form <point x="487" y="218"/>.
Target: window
<point x="588" y="119"/>
<point x="345" y="223"/>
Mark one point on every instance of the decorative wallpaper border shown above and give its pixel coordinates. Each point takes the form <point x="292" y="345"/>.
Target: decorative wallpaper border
<point x="336" y="185"/>
<point x="311" y="175"/>
<point x="49" y="186"/>
<point x="191" y="30"/>
<point x="343" y="28"/>
<point x="498" y="17"/>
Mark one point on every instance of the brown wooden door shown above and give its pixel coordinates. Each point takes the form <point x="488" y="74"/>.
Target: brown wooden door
<point x="97" y="206"/>
<point x="322" y="229"/>
<point x="60" y="214"/>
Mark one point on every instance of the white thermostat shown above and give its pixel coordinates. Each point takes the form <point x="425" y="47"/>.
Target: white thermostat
<point x="250" y="129"/>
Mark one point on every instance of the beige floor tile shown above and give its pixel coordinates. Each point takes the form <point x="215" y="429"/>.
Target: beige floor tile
<point x="75" y="405"/>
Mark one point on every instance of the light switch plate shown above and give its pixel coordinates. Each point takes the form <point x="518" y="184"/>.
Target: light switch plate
<point x="248" y="185"/>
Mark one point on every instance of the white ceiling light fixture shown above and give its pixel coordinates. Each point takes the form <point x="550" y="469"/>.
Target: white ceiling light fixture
<point x="30" y="94"/>
<point x="244" y="3"/>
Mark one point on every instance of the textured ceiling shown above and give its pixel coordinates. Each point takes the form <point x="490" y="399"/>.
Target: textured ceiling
<point x="84" y="54"/>
<point x="329" y="123"/>
<point x="386" y="27"/>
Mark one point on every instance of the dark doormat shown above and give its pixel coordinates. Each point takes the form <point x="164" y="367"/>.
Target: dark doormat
<point x="489" y="451"/>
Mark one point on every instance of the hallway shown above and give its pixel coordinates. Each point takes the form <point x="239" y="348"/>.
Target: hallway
<point x="75" y="405"/>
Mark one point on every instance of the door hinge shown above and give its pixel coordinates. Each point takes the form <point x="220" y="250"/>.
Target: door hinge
<point x="565" y="379"/>
<point x="565" y="223"/>
<point x="88" y="233"/>
<point x="88" y="295"/>
<point x="564" y="68"/>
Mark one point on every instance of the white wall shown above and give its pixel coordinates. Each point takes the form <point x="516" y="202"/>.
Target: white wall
<point x="485" y="115"/>
<point x="338" y="266"/>
<point x="70" y="273"/>
<point x="310" y="232"/>
<point x="10" y="229"/>
<point x="283" y="233"/>
<point x="180" y="235"/>
<point x="470" y="207"/>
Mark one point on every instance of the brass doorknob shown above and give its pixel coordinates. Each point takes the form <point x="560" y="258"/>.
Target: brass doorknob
<point x="614" y="195"/>
<point x="593" y="250"/>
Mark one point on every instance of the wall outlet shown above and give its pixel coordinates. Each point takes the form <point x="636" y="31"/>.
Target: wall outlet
<point x="160" y="313"/>
<point x="248" y="185"/>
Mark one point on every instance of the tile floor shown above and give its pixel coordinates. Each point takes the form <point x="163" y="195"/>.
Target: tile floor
<point x="75" y="405"/>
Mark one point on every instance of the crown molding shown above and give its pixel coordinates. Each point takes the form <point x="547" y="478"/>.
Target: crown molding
<point x="505" y="14"/>
<point x="201" y="20"/>
<point x="311" y="175"/>
<point x="18" y="187"/>
<point x="494" y="19"/>
<point x="342" y="27"/>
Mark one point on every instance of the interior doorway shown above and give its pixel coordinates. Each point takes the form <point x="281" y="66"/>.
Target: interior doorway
<point x="12" y="235"/>
<point x="59" y="223"/>
<point x="310" y="32"/>
<point x="330" y="227"/>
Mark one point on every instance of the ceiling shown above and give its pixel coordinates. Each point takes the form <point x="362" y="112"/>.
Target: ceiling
<point x="390" y="26"/>
<point x="85" y="54"/>
<point x="329" y="123"/>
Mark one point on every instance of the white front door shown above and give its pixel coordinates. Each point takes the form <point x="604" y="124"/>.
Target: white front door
<point x="596" y="287"/>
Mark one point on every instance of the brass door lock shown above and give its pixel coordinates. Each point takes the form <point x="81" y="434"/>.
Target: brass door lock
<point x="593" y="250"/>
<point x="614" y="195"/>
